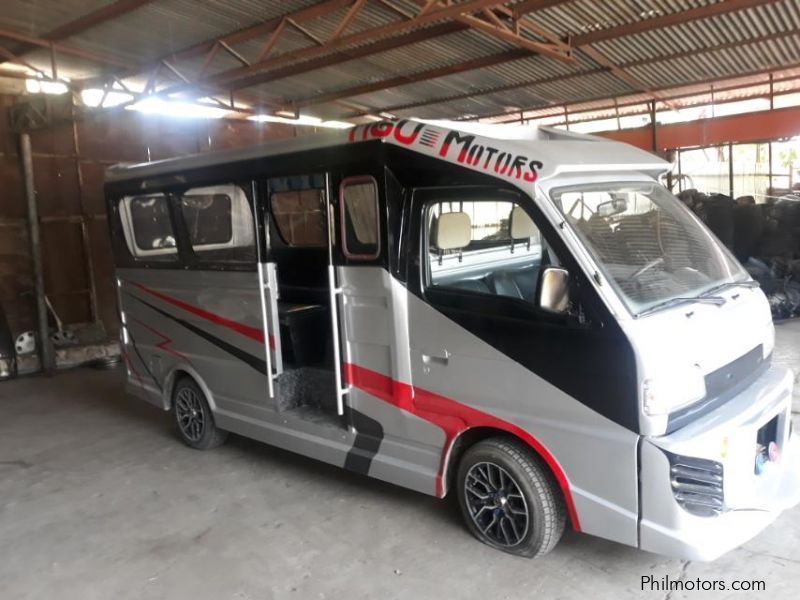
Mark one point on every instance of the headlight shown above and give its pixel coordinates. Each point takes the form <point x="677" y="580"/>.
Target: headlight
<point x="769" y="340"/>
<point x="664" y="394"/>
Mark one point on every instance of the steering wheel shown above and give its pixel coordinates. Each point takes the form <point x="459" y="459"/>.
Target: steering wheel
<point x="641" y="271"/>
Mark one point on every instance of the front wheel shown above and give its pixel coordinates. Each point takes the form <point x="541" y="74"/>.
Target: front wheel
<point x="194" y="418"/>
<point x="509" y="499"/>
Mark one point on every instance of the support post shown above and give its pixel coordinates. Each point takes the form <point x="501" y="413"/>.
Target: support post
<point x="654" y="125"/>
<point x="45" y="348"/>
<point x="94" y="308"/>
<point x="730" y="169"/>
<point x="771" y="91"/>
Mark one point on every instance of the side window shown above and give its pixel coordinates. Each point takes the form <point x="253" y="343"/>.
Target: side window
<point x="358" y="197"/>
<point x="219" y="220"/>
<point x="298" y="209"/>
<point x="489" y="246"/>
<point x="148" y="227"/>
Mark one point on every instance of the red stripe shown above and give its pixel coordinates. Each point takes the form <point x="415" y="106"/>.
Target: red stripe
<point x="453" y="418"/>
<point x="165" y="341"/>
<point x="252" y="332"/>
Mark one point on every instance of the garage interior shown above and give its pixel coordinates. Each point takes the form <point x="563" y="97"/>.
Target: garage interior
<point x="98" y="499"/>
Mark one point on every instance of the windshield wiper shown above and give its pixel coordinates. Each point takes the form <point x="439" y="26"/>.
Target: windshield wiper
<point x="749" y="283"/>
<point x="716" y="300"/>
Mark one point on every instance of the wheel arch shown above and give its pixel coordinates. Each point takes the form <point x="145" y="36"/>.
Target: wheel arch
<point x="172" y="378"/>
<point x="469" y="437"/>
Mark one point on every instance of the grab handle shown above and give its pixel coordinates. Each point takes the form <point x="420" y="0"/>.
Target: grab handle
<point x="442" y="359"/>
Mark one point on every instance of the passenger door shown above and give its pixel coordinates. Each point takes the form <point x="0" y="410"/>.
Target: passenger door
<point x="222" y="314"/>
<point x="189" y="294"/>
<point x="391" y="443"/>
<point x="360" y="284"/>
<point x="483" y="354"/>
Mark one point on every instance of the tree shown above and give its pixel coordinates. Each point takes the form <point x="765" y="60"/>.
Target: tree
<point x="788" y="157"/>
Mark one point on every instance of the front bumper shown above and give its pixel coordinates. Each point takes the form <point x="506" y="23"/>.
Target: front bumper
<point x="728" y="436"/>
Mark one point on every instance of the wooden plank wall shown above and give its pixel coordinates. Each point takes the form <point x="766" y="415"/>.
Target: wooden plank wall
<point x="69" y="160"/>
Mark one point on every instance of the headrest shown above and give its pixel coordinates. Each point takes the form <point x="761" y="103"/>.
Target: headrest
<point x="453" y="231"/>
<point x="521" y="224"/>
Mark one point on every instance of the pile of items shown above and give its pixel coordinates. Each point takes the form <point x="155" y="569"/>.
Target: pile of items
<point x="764" y="237"/>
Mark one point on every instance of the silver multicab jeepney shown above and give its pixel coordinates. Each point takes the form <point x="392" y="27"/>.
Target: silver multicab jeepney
<point x="522" y="315"/>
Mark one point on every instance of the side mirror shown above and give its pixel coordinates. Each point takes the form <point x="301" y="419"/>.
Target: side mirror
<point x="553" y="290"/>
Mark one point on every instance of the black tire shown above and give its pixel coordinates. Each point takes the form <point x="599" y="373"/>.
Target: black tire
<point x="193" y="416"/>
<point x="515" y="470"/>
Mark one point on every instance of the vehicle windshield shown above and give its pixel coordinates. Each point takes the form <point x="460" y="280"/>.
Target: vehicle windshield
<point x="648" y="245"/>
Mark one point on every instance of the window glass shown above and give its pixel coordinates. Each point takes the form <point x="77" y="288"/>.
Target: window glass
<point x="298" y="209"/>
<point x="219" y="221"/>
<point x="148" y="227"/>
<point x="360" y="224"/>
<point x="706" y="169"/>
<point x="487" y="246"/>
<point x="750" y="171"/>
<point x="208" y="218"/>
<point x="785" y="166"/>
<point x="650" y="247"/>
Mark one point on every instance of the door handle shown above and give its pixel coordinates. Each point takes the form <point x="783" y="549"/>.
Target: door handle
<point x="442" y="359"/>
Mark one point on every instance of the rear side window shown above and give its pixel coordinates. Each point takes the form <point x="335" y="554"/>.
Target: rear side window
<point x="219" y="220"/>
<point x="298" y="209"/>
<point x="360" y="218"/>
<point x="148" y="227"/>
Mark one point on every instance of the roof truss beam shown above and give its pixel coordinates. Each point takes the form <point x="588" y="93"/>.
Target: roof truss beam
<point x="620" y="73"/>
<point x="383" y="45"/>
<point x="65" y="49"/>
<point x="559" y="78"/>
<point x="477" y="63"/>
<point x="488" y="22"/>
<point x="497" y="29"/>
<point x="263" y="70"/>
<point x="93" y="19"/>
<point x="582" y="42"/>
<point x="703" y="12"/>
<point x="615" y="103"/>
<point x="433" y="15"/>
<point x="83" y="23"/>
<point x="263" y="28"/>
<point x="348" y="18"/>
<point x="529" y="6"/>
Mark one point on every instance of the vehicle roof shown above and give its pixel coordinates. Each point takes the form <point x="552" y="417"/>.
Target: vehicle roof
<point x="520" y="153"/>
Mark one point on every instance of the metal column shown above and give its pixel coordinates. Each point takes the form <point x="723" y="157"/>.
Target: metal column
<point x="44" y="346"/>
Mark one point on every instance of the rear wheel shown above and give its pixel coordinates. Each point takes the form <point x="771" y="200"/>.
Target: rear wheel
<point x="194" y="418"/>
<point x="509" y="498"/>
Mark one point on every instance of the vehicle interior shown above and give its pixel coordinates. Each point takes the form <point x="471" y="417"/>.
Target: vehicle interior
<point x="499" y="256"/>
<point x="299" y="247"/>
<point x="644" y="247"/>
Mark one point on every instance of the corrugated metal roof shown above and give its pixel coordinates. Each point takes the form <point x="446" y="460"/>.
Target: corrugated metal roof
<point x="583" y="16"/>
<point x="166" y="26"/>
<point x="36" y="17"/>
<point x="686" y="53"/>
<point x="727" y="29"/>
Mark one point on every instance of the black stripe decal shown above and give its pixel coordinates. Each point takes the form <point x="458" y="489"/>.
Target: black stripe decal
<point x="369" y="435"/>
<point x="144" y="364"/>
<point x="258" y="364"/>
<point x="369" y="432"/>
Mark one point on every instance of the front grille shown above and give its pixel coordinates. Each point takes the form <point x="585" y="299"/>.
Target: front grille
<point x="723" y="385"/>
<point x="697" y="485"/>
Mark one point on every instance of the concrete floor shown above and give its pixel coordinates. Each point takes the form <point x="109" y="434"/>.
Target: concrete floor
<point x="98" y="499"/>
